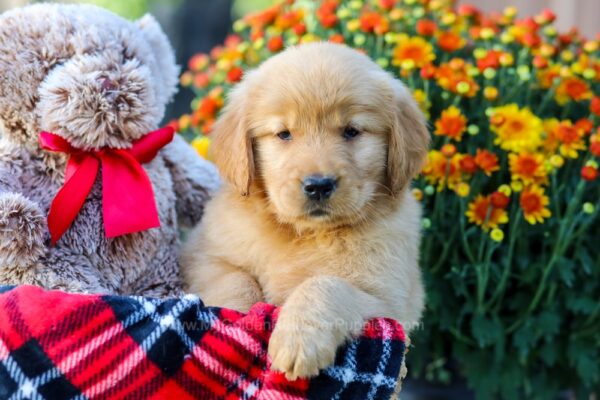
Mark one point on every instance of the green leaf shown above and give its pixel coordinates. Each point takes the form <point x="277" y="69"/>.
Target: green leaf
<point x="486" y="331"/>
<point x="548" y="323"/>
<point x="582" y="305"/>
<point x="587" y="262"/>
<point x="584" y="356"/>
<point x="524" y="338"/>
<point x="548" y="353"/>
<point x="565" y="270"/>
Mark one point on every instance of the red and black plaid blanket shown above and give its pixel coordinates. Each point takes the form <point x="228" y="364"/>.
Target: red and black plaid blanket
<point x="55" y="345"/>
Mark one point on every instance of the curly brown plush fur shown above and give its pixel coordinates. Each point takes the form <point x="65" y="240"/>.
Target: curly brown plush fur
<point x="96" y="80"/>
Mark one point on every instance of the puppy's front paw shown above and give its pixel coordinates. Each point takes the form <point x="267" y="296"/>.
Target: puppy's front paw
<point x="301" y="346"/>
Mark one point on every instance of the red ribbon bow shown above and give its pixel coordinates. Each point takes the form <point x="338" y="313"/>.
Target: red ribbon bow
<point x="128" y="204"/>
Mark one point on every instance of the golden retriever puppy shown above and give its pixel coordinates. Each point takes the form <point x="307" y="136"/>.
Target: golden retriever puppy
<point x="317" y="148"/>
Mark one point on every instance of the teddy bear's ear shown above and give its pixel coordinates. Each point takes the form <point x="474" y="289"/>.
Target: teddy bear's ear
<point x="163" y="53"/>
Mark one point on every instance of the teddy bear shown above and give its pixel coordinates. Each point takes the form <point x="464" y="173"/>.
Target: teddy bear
<point x="93" y="195"/>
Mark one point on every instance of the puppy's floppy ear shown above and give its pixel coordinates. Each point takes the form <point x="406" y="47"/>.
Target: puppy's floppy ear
<point x="231" y="147"/>
<point x="409" y="140"/>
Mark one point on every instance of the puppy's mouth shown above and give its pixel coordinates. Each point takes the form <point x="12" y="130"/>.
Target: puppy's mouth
<point x="318" y="212"/>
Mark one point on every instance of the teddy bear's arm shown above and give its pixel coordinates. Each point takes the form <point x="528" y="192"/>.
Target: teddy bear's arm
<point x="194" y="180"/>
<point x="22" y="227"/>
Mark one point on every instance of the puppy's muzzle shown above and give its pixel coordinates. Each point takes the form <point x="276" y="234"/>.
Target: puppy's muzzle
<point x="318" y="187"/>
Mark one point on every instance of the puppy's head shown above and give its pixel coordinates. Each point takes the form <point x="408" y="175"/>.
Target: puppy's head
<point x="322" y="133"/>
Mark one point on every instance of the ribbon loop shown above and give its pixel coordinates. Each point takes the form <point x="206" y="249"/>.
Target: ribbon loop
<point x="128" y="203"/>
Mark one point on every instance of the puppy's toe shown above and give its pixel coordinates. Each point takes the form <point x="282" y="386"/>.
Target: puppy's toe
<point x="300" y="350"/>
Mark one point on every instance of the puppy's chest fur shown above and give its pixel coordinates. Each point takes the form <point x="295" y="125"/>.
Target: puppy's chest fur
<point x="281" y="259"/>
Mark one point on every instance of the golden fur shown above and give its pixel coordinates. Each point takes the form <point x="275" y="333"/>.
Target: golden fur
<point x="260" y="239"/>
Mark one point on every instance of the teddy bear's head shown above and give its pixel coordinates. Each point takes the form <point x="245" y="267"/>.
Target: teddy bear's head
<point x="83" y="73"/>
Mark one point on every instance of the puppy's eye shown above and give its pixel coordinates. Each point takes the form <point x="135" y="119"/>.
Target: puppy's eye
<point x="350" y="132"/>
<point x="284" y="135"/>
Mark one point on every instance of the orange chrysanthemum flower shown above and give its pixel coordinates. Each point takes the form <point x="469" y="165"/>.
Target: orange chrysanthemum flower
<point x="374" y="22"/>
<point x="490" y="60"/>
<point x="533" y="203"/>
<point x="415" y="49"/>
<point x="595" y="106"/>
<point x="452" y="75"/>
<point x="570" y="139"/>
<point x="441" y="170"/>
<point x="486" y="161"/>
<point x="481" y="212"/>
<point x="451" y="123"/>
<point x="450" y="41"/>
<point x="547" y="76"/>
<point x="528" y="168"/>
<point x="572" y="88"/>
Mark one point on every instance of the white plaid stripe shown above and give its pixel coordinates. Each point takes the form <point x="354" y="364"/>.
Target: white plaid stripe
<point x="165" y="322"/>
<point x="28" y="387"/>
<point x="245" y="340"/>
<point x="348" y="373"/>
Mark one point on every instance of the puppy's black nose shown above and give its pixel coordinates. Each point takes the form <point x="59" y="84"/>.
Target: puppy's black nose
<point x="317" y="187"/>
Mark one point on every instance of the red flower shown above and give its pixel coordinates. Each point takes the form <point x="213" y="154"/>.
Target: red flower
<point x="491" y="60"/>
<point x="589" y="173"/>
<point x="468" y="10"/>
<point x="232" y="41"/>
<point x="234" y="75"/>
<point x="329" y="20"/>
<point x="326" y="13"/>
<point x="387" y="4"/>
<point x="450" y="41"/>
<point x="208" y="107"/>
<point x="275" y="44"/>
<point x="531" y="39"/>
<point x="547" y="16"/>
<point x="585" y="125"/>
<point x="467" y="164"/>
<point x="198" y="62"/>
<point x="337" y="38"/>
<point x="595" y="106"/>
<point x="540" y="62"/>
<point x="595" y="148"/>
<point x="299" y="29"/>
<point x="374" y="22"/>
<point x="426" y="27"/>
<point x="201" y="80"/>
<point x="428" y="71"/>
<point x="487" y="161"/>
<point x="499" y="200"/>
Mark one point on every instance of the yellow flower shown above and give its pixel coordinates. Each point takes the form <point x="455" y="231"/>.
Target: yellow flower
<point x="490" y="93"/>
<point x="497" y="235"/>
<point x="422" y="101"/>
<point x="201" y="145"/>
<point x="418" y="193"/>
<point x="557" y="161"/>
<point x="528" y="168"/>
<point x="184" y="122"/>
<point x="505" y="190"/>
<point x="416" y="49"/>
<point x="516" y="186"/>
<point x="533" y="203"/>
<point x="516" y="129"/>
<point x="463" y="189"/>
